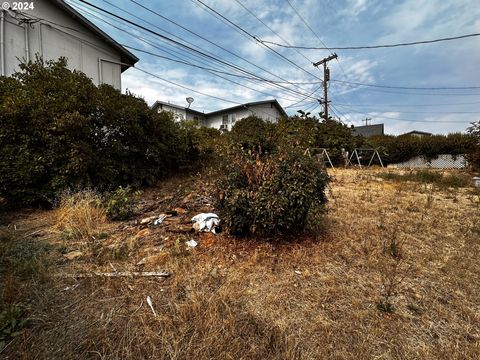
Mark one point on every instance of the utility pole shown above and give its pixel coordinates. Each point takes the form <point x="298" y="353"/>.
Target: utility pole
<point x="367" y="120"/>
<point x="326" y="78"/>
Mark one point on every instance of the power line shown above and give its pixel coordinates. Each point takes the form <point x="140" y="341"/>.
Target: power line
<point x="408" y="87"/>
<point x="308" y="26"/>
<point x="202" y="53"/>
<point x="269" y="28"/>
<point x="242" y="30"/>
<point x="210" y="70"/>
<point x="374" y="115"/>
<point x="372" y="46"/>
<point x="204" y="38"/>
<point x="413" y="105"/>
<point x="407" y="93"/>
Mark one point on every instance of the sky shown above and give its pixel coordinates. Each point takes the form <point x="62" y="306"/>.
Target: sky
<point x="221" y="63"/>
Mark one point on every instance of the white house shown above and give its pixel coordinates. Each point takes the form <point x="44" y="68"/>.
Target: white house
<point x="53" y="29"/>
<point x="268" y="110"/>
<point x="180" y="112"/>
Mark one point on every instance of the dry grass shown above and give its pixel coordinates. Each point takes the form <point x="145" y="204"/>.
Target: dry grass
<point x="80" y="216"/>
<point x="412" y="245"/>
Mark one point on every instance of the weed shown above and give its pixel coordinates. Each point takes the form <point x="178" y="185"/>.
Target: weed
<point x="429" y="177"/>
<point x="27" y="258"/>
<point x="80" y="216"/>
<point x="119" y="204"/>
<point x="12" y="321"/>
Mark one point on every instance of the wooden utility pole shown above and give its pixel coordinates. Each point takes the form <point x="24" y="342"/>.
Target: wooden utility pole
<point x="326" y="78"/>
<point x="367" y="120"/>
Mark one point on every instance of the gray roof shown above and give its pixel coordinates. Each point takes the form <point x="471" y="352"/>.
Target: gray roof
<point x="246" y="105"/>
<point x="158" y="103"/>
<point x="416" y="132"/>
<point x="126" y="56"/>
<point x="368" y="130"/>
<point x="241" y="106"/>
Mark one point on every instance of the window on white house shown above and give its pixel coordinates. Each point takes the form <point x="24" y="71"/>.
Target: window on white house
<point x="225" y="120"/>
<point x="233" y="118"/>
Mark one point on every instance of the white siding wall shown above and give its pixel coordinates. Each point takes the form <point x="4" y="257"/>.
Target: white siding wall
<point x="84" y="50"/>
<point x="264" y="111"/>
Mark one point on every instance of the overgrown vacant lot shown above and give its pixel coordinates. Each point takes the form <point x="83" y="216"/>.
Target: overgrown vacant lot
<point x="395" y="274"/>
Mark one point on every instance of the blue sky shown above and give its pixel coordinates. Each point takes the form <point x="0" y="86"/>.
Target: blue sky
<point x="333" y="23"/>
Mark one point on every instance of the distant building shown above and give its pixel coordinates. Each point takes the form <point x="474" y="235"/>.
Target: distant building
<point x="418" y="133"/>
<point x="53" y="29"/>
<point x="179" y="112"/>
<point x="268" y="110"/>
<point x="368" y="130"/>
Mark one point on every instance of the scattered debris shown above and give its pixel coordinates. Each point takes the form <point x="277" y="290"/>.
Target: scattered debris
<point x="72" y="255"/>
<point x="191" y="243"/>
<point x="159" y="220"/>
<point x="73" y="287"/>
<point x="147" y="220"/>
<point x="118" y="274"/>
<point x="476" y="181"/>
<point x="206" y="222"/>
<point x="150" y="303"/>
<point x="298" y="272"/>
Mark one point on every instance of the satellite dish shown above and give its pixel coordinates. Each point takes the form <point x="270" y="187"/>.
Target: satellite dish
<point x="189" y="101"/>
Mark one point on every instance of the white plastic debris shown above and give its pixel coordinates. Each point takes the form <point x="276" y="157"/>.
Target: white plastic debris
<point x="191" y="243"/>
<point x="206" y="222"/>
<point x="150" y="303"/>
<point x="159" y="220"/>
<point x="476" y="181"/>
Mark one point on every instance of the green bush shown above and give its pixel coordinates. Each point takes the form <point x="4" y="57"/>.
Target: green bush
<point x="59" y="131"/>
<point x="396" y="149"/>
<point x="253" y="133"/>
<point x="119" y="204"/>
<point x="474" y="155"/>
<point x="314" y="133"/>
<point x="272" y="194"/>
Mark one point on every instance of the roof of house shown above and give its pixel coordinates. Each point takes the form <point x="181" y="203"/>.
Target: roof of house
<point x="241" y="106"/>
<point x="158" y="103"/>
<point x="416" y="132"/>
<point x="246" y="105"/>
<point x="369" y="130"/>
<point x="127" y="58"/>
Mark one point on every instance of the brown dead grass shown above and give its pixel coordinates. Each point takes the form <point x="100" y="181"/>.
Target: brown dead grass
<point x="313" y="298"/>
<point x="80" y="216"/>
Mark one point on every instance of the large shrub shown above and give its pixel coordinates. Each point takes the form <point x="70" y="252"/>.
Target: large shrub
<point x="474" y="155"/>
<point x="58" y="131"/>
<point x="404" y="147"/>
<point x="253" y="133"/>
<point x="270" y="194"/>
<point x="311" y="133"/>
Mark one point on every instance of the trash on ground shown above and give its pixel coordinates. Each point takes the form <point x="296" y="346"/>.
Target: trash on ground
<point x="72" y="255"/>
<point x="150" y="303"/>
<point x="154" y="220"/>
<point x="147" y="220"/>
<point x="159" y="220"/>
<point x="476" y="181"/>
<point x="191" y="243"/>
<point x="298" y="272"/>
<point x="206" y="222"/>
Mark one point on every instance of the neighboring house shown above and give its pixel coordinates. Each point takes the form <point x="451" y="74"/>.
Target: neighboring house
<point x="418" y="133"/>
<point x="180" y="112"/>
<point x="53" y="29"/>
<point x="268" y="110"/>
<point x="368" y="130"/>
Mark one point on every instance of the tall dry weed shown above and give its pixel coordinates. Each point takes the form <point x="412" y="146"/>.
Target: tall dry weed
<point x="80" y="215"/>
